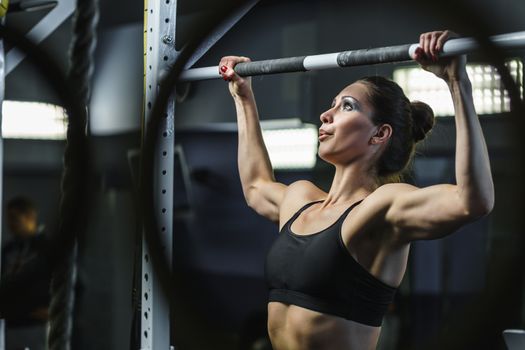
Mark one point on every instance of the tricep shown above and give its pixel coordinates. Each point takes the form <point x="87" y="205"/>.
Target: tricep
<point x="427" y="213"/>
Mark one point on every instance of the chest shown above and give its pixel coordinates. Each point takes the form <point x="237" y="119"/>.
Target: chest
<point x="361" y="232"/>
<point x="317" y="248"/>
<point x="312" y="221"/>
<point x="316" y="263"/>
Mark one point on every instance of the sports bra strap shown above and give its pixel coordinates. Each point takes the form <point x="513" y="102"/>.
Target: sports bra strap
<point x="297" y="213"/>
<point x="303" y="208"/>
<point x="307" y="205"/>
<point x="348" y="210"/>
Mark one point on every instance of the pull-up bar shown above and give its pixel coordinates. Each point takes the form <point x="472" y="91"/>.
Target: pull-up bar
<point x="360" y="57"/>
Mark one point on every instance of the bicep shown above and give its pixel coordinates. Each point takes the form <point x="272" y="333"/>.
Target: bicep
<point x="427" y="213"/>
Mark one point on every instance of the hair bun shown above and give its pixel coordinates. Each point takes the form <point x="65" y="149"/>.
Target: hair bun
<point x="423" y="119"/>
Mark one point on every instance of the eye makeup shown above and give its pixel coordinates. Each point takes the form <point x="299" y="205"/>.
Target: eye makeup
<point x="348" y="100"/>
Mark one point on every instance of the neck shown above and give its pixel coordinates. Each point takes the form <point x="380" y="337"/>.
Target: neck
<point x="351" y="183"/>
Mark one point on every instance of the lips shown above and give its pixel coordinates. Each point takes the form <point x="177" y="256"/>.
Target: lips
<point x="323" y="135"/>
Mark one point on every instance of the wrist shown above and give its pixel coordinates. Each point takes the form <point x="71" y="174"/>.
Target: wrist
<point x="243" y="96"/>
<point x="459" y="86"/>
<point x="458" y="78"/>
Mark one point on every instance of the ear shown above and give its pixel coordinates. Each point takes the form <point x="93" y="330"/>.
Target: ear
<point x="382" y="135"/>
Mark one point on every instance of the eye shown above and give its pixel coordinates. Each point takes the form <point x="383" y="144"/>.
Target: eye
<point x="347" y="106"/>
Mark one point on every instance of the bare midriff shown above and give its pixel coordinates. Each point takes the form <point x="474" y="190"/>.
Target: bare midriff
<point x="291" y="327"/>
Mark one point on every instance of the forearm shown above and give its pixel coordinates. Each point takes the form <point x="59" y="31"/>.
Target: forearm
<point x="253" y="160"/>
<point x="473" y="174"/>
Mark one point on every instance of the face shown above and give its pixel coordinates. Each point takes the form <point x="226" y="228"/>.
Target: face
<point x="347" y="128"/>
<point x="22" y="224"/>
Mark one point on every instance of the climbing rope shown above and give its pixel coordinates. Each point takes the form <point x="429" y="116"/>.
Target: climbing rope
<point x="64" y="275"/>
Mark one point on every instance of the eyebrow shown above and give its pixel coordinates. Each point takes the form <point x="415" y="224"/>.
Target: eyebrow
<point x="353" y="99"/>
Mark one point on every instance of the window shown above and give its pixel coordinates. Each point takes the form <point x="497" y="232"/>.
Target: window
<point x="291" y="144"/>
<point x="489" y="95"/>
<point x="33" y="120"/>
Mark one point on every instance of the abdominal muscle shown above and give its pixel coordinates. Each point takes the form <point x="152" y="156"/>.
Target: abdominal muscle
<point x="291" y="327"/>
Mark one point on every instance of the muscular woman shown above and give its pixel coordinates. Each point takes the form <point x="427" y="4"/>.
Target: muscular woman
<point x="340" y="256"/>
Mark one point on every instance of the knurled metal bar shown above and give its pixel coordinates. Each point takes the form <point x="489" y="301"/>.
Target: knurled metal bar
<point x="389" y="54"/>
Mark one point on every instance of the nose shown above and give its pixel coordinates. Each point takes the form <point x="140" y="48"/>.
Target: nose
<point x="326" y="117"/>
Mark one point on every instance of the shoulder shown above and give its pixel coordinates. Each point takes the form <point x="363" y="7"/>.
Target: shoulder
<point x="396" y="188"/>
<point x="384" y="195"/>
<point x="303" y="190"/>
<point x="297" y="195"/>
<point x="301" y="187"/>
<point x="372" y="212"/>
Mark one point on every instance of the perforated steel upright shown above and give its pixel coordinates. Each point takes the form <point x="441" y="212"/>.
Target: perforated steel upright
<point x="2" y="87"/>
<point x="159" y="53"/>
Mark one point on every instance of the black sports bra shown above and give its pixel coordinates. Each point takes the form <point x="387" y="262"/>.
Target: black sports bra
<point x="317" y="272"/>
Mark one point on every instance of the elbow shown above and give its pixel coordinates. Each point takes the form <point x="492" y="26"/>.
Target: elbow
<point x="481" y="209"/>
<point x="478" y="204"/>
<point x="487" y="208"/>
<point x="261" y="206"/>
<point x="487" y="204"/>
<point x="250" y="196"/>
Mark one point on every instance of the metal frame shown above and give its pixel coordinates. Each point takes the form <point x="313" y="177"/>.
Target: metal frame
<point x="220" y="31"/>
<point x="159" y="30"/>
<point x="2" y="91"/>
<point x="159" y="54"/>
<point x="41" y="31"/>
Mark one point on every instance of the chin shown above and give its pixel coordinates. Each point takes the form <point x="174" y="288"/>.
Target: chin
<point x="325" y="157"/>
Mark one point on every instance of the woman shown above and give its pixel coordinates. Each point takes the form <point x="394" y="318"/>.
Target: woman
<point x="340" y="255"/>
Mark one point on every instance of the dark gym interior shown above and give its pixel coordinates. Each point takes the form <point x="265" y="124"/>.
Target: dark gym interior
<point x="450" y="297"/>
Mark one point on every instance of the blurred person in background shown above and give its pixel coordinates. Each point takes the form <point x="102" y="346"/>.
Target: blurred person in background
<point x="26" y="276"/>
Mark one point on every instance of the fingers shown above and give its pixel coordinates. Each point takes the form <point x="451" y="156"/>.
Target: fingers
<point x="227" y="64"/>
<point x="441" y="40"/>
<point x="431" y="43"/>
<point x="432" y="47"/>
<point x="426" y="44"/>
<point x="447" y="34"/>
<point x="420" y="57"/>
<point x="421" y="51"/>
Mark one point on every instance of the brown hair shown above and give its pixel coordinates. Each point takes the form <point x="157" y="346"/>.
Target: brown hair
<point x="410" y="122"/>
<point x="20" y="205"/>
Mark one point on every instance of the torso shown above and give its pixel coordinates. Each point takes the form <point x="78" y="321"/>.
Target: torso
<point x="295" y="328"/>
<point x="367" y="239"/>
